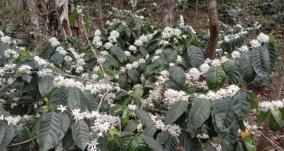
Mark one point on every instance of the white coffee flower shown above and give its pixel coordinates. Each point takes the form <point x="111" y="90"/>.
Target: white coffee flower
<point x="138" y="42"/>
<point x="113" y="36"/>
<point x="244" y="48"/>
<point x="224" y="59"/>
<point x="9" y="53"/>
<point x="108" y="45"/>
<point x="204" y="68"/>
<point x="98" y="32"/>
<point x="6" y="39"/>
<point x="54" y="42"/>
<point x="127" y="53"/>
<point x="263" y="38"/>
<point x="132" y="48"/>
<point x="193" y="74"/>
<point x="61" y="108"/>
<point x="179" y="59"/>
<point x="254" y="43"/>
<point x="68" y="59"/>
<point x="25" y="69"/>
<point x="236" y="54"/>
<point x="216" y="63"/>
<point x="132" y="107"/>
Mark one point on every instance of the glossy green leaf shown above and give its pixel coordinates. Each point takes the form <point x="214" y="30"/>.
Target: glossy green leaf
<point x="195" y="56"/>
<point x="215" y="77"/>
<point x="176" y="111"/>
<point x="80" y="132"/>
<point x="199" y="113"/>
<point x="152" y="143"/>
<point x="51" y="129"/>
<point x="45" y="85"/>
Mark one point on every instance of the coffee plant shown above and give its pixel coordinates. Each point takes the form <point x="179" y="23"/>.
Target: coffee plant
<point x="136" y="88"/>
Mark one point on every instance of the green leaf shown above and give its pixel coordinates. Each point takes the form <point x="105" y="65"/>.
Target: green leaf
<point x="241" y="147"/>
<point x="178" y="75"/>
<point x="163" y="137"/>
<point x="59" y="96"/>
<point x="199" y="113"/>
<point x="125" y="116"/>
<point x="261" y="61"/>
<point x="171" y="144"/>
<point x="276" y="120"/>
<point x="224" y="120"/>
<point x="137" y="144"/>
<point x="51" y="129"/>
<point x="215" y="77"/>
<point x="7" y="133"/>
<point x="246" y="67"/>
<point x="76" y="98"/>
<point x="133" y="75"/>
<point x="272" y="55"/>
<point x="45" y="85"/>
<point x="23" y="134"/>
<point x="195" y="56"/>
<point x="232" y="69"/>
<point x="80" y="132"/>
<point x="241" y="104"/>
<point x="138" y="92"/>
<point x="144" y="117"/>
<point x="176" y="111"/>
<point x="152" y="143"/>
<point x="119" y="53"/>
<point x="190" y="144"/>
<point x="262" y="116"/>
<point x="131" y="126"/>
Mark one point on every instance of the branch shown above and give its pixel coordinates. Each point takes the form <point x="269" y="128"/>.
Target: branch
<point x="271" y="141"/>
<point x="23" y="142"/>
<point x="102" y="99"/>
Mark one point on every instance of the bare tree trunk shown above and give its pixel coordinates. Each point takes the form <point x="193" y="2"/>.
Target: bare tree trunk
<point x="100" y="14"/>
<point x="214" y="28"/>
<point x="16" y="5"/>
<point x="169" y="6"/>
<point x="119" y="4"/>
<point x="32" y="7"/>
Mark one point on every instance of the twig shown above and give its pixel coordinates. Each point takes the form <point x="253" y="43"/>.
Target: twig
<point x="102" y="99"/>
<point x="271" y="141"/>
<point x="23" y="142"/>
<point x="92" y="48"/>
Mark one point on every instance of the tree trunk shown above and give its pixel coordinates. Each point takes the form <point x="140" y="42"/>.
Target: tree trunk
<point x="119" y="4"/>
<point x="169" y="6"/>
<point x="214" y="28"/>
<point x="100" y="15"/>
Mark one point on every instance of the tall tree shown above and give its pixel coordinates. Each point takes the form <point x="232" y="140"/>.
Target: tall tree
<point x="100" y="15"/>
<point x="214" y="28"/>
<point x="169" y="11"/>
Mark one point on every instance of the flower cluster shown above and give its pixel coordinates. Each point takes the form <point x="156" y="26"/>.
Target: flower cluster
<point x="133" y="65"/>
<point x="222" y="93"/>
<point x="271" y="105"/>
<point x="9" y="53"/>
<point x="54" y="42"/>
<point x="113" y="36"/>
<point x="101" y="122"/>
<point x="97" y="38"/>
<point x="15" y="120"/>
<point x="172" y="96"/>
<point x="143" y="39"/>
<point x="170" y="32"/>
<point x="174" y="129"/>
<point x="99" y="86"/>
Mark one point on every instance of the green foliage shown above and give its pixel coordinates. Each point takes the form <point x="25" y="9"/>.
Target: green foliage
<point x="215" y="77"/>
